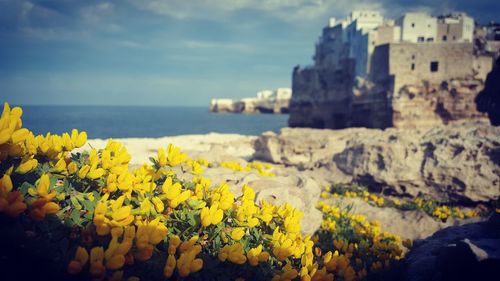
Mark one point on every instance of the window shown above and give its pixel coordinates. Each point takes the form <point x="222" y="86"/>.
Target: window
<point x="412" y="24"/>
<point x="412" y="66"/>
<point x="430" y="39"/>
<point x="444" y="38"/>
<point x="454" y="38"/>
<point x="434" y="66"/>
<point x="412" y="57"/>
<point x="420" y="39"/>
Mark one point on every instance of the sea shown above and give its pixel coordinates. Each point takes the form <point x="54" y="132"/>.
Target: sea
<point x="145" y="121"/>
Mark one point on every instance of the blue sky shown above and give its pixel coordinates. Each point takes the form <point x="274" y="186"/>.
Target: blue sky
<point x="170" y="52"/>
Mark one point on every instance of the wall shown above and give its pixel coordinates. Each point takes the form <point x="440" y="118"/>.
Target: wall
<point x="454" y="60"/>
<point x="330" y="48"/>
<point x="449" y="32"/>
<point x="322" y="96"/>
<point x="415" y="25"/>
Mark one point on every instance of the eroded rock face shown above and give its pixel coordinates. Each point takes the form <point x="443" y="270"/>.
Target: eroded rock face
<point x="335" y="99"/>
<point x="458" y="163"/>
<point x="427" y="105"/>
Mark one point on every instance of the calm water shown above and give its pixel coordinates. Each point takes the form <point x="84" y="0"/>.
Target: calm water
<point x="124" y="122"/>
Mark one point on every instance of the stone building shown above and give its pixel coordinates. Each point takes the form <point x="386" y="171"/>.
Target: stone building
<point x="374" y="72"/>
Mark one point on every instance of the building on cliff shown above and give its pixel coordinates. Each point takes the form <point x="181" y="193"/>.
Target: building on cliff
<point x="369" y="71"/>
<point x="266" y="101"/>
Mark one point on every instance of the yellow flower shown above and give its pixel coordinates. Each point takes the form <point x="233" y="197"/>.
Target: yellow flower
<point x="173" y="243"/>
<point x="171" y="190"/>
<point x="72" y="168"/>
<point x="238" y="233"/>
<point x="94" y="172"/>
<point x="159" y="206"/>
<point x="145" y="206"/>
<point x="83" y="171"/>
<point x="169" y="268"/>
<point x="162" y="157"/>
<point x="188" y="263"/>
<point x="210" y="216"/>
<point x="60" y="165"/>
<point x="12" y="203"/>
<point x="195" y="167"/>
<point x="81" y="258"/>
<point x="27" y="166"/>
<point x="97" y="269"/>
<point x="186" y="245"/>
<point x="234" y="253"/>
<point x="19" y="135"/>
<point x="256" y="255"/>
<point x="78" y="139"/>
<point x="5" y="184"/>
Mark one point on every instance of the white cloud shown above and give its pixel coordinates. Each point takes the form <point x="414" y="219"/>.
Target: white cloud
<point x="287" y="10"/>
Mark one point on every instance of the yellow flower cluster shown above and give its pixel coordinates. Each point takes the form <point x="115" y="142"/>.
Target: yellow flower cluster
<point x="373" y="251"/>
<point x="441" y="212"/>
<point x="263" y="169"/>
<point x="19" y="152"/>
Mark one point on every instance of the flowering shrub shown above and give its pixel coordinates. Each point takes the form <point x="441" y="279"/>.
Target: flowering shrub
<point x="263" y="169"/>
<point x="106" y="221"/>
<point x="438" y="211"/>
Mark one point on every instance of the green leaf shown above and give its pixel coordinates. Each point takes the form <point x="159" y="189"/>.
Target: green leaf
<point x="89" y="205"/>
<point x="24" y="188"/>
<point x="75" y="217"/>
<point x="191" y="219"/>
<point x="75" y="203"/>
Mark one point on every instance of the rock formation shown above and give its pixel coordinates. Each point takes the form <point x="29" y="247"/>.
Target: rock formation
<point x="267" y="101"/>
<point x="467" y="252"/>
<point x="450" y="163"/>
<point x="324" y="98"/>
<point x="427" y="105"/>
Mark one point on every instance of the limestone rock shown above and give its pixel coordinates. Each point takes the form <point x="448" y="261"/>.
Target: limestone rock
<point x="458" y="162"/>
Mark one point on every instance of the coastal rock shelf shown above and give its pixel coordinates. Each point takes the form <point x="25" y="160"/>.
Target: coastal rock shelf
<point x="458" y="163"/>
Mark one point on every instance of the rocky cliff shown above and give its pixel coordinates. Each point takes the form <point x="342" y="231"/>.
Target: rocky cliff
<point x="426" y="105"/>
<point x="324" y="98"/>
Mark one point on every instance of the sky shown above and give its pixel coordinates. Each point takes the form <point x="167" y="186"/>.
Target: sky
<point x="171" y="52"/>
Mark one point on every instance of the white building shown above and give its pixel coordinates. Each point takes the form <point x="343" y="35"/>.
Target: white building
<point x="283" y="93"/>
<point x="456" y="27"/>
<point x="265" y="94"/>
<point x="418" y="28"/>
<point x="357" y="36"/>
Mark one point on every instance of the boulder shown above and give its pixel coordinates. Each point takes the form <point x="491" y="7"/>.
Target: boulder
<point x="467" y="252"/>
